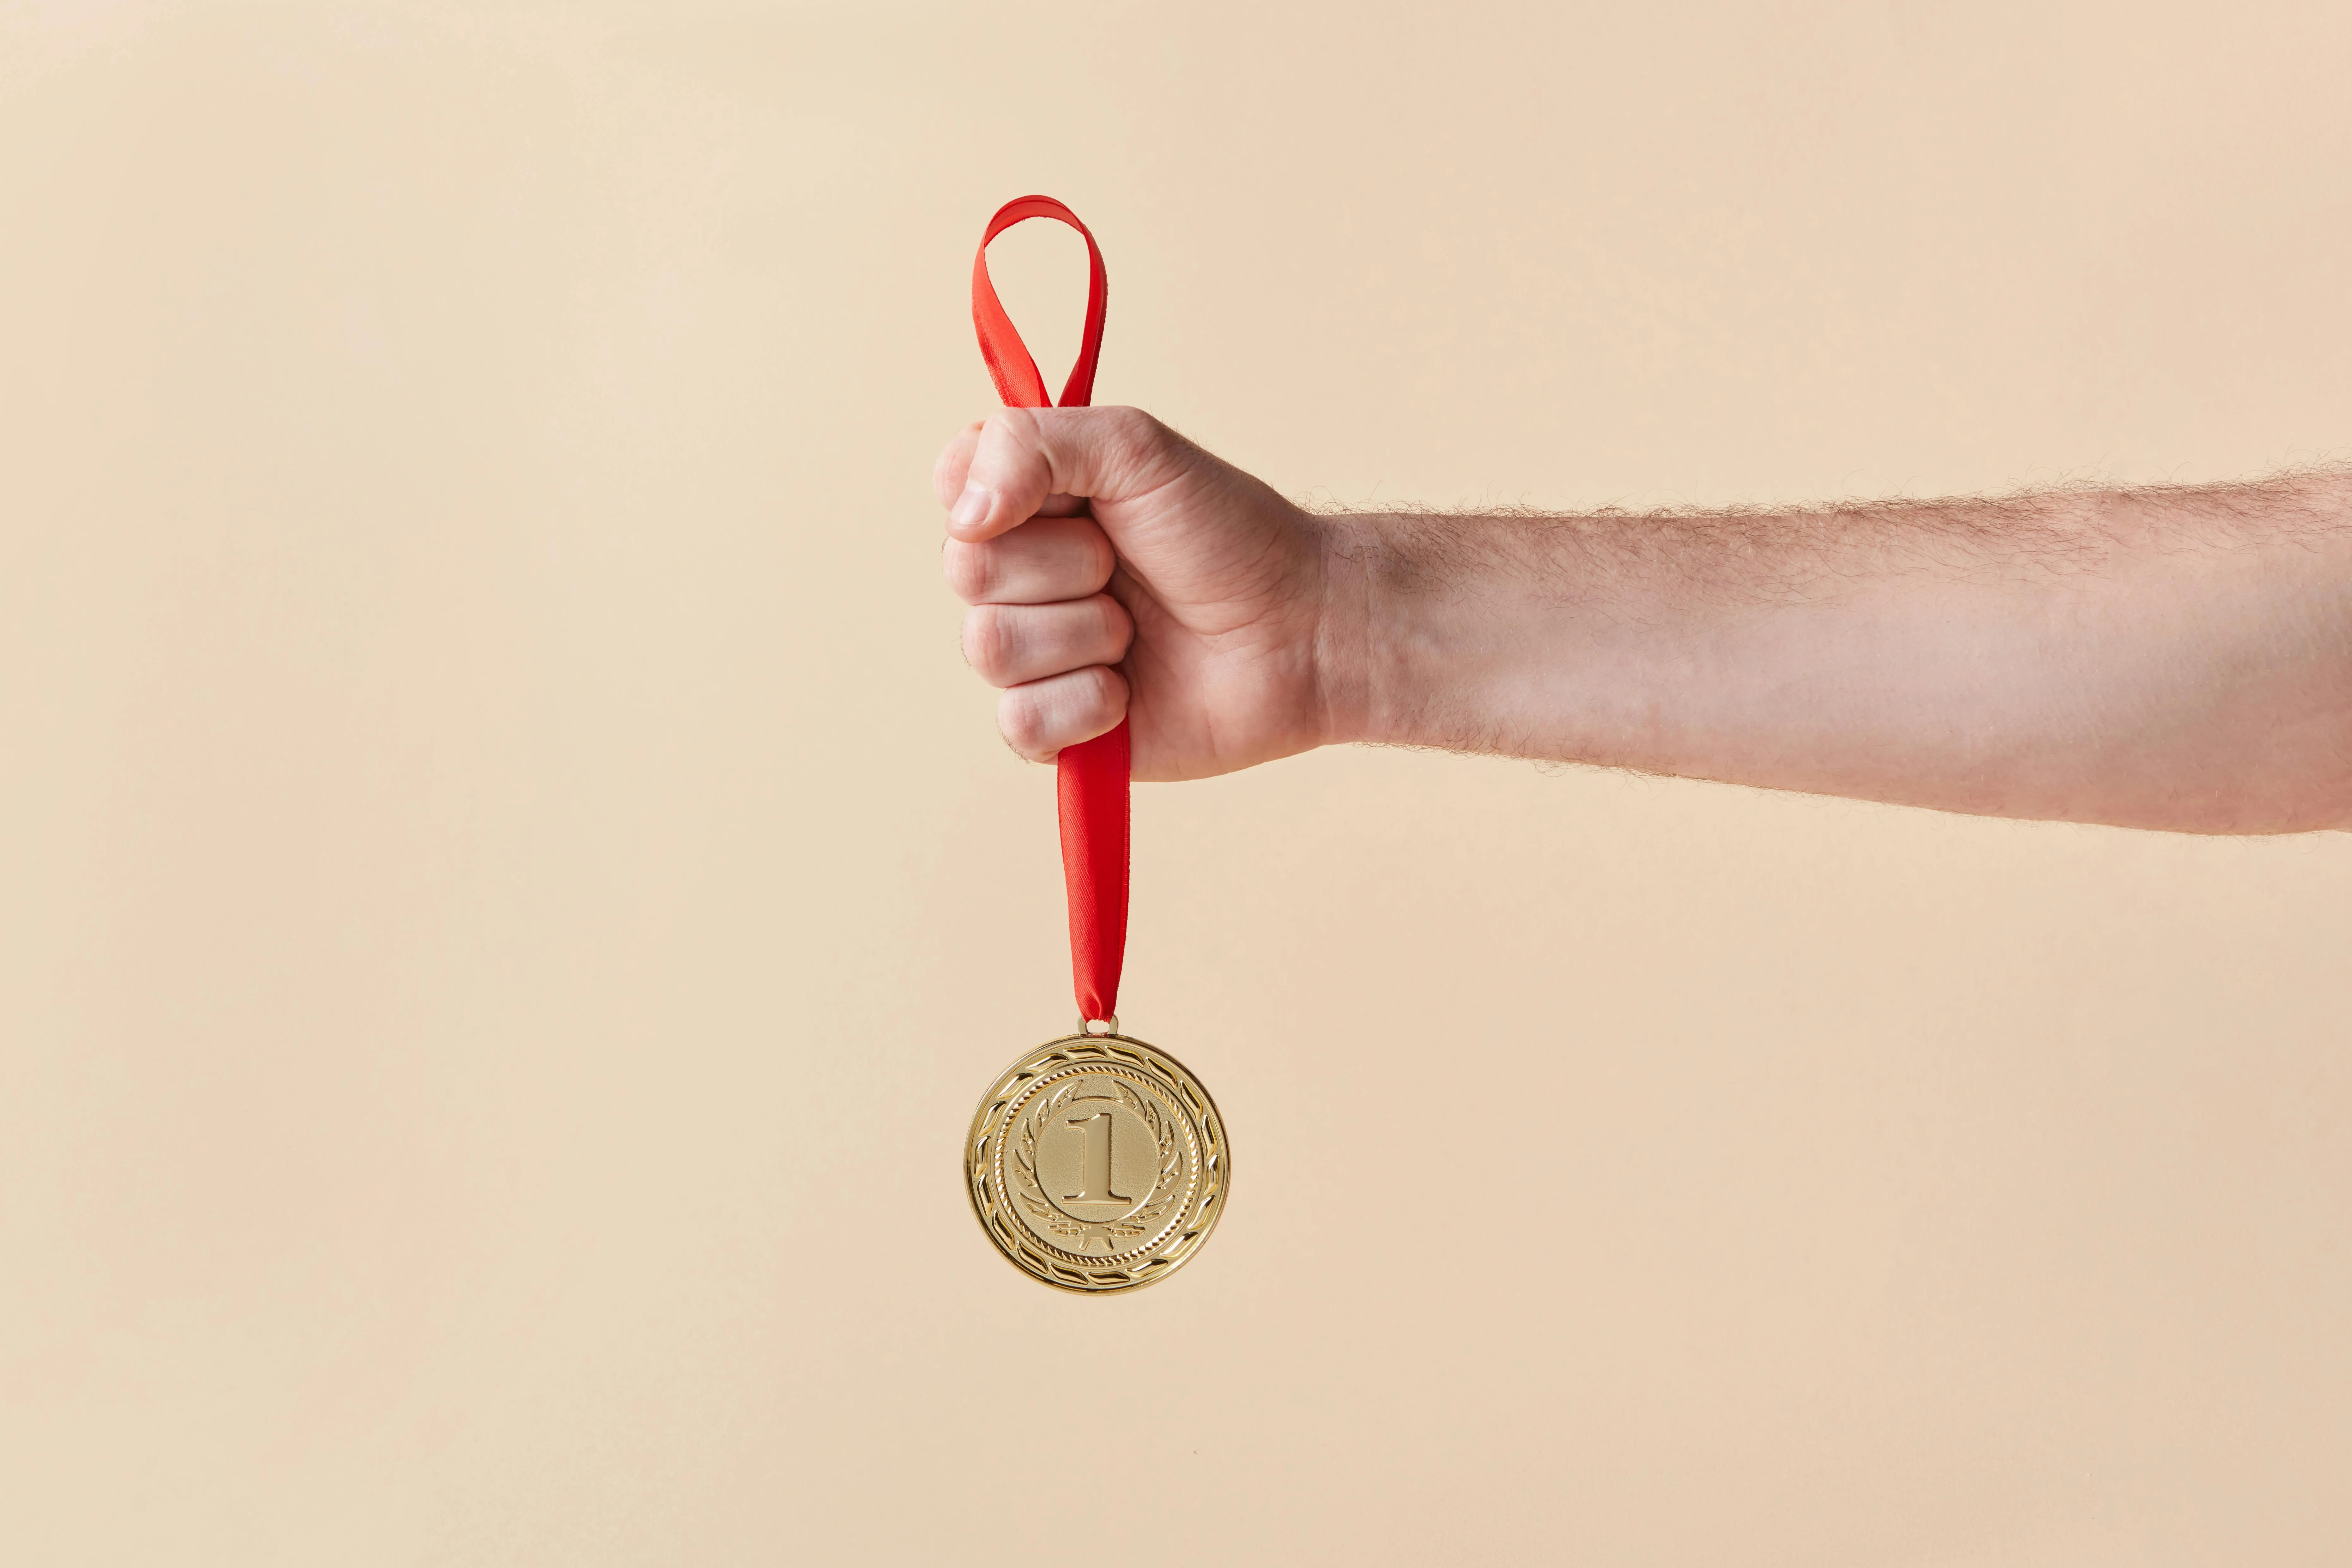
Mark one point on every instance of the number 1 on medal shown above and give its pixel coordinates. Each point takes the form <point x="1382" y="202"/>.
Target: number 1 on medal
<point x="1089" y="1165"/>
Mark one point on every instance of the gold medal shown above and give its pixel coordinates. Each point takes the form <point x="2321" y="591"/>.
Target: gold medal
<point x="1096" y="1162"/>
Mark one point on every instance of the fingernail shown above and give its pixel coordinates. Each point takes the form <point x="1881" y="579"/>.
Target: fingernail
<point x="971" y="507"/>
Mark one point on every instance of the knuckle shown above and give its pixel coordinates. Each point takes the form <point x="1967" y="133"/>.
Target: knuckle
<point x="1134" y="427"/>
<point x="1102" y="696"/>
<point x="1019" y="721"/>
<point x="970" y="570"/>
<point x="1101" y="559"/>
<point x="1090" y="694"/>
<point x="1010" y="429"/>
<point x="1006" y="449"/>
<point x="987" y="642"/>
<point x="1117" y="627"/>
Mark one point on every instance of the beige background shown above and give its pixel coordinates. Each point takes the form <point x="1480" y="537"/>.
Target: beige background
<point x="510" y="891"/>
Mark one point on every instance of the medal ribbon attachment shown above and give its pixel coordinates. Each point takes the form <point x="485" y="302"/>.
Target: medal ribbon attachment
<point x="1091" y="782"/>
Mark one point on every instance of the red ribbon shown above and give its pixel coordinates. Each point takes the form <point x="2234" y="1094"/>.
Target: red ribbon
<point x="1092" y="782"/>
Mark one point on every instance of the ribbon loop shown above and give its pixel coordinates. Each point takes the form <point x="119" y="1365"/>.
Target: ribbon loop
<point x="1018" y="383"/>
<point x="1091" y="777"/>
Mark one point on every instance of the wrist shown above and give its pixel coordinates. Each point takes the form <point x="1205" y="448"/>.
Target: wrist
<point x="1351" y="646"/>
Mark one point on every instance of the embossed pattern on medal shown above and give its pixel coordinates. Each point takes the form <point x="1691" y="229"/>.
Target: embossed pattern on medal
<point x="1098" y="1162"/>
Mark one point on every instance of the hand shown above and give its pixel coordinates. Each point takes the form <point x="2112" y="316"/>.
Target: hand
<point x="1116" y="569"/>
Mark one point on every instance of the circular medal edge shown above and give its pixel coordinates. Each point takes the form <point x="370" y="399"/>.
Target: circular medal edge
<point x="989" y="1121"/>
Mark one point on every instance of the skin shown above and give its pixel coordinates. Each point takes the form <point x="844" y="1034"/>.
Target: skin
<point x="2165" y="657"/>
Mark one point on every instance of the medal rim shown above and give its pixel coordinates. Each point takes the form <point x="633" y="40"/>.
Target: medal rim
<point x="992" y="1117"/>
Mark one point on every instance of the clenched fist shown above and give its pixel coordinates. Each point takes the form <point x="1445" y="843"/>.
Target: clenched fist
<point x="1114" y="568"/>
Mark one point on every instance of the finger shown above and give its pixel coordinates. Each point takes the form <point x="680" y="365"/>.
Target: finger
<point x="955" y="462"/>
<point x="1008" y="645"/>
<point x="1025" y="457"/>
<point x="947" y="476"/>
<point x="1039" y="719"/>
<point x="1049" y="558"/>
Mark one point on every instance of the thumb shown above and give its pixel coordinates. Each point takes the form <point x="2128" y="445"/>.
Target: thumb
<point x="1024" y="458"/>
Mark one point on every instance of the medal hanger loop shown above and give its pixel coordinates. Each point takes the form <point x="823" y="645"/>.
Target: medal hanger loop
<point x="1010" y="365"/>
<point x="1091" y="777"/>
<point x="1109" y="1027"/>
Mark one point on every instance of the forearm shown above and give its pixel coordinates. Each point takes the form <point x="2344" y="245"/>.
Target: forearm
<point x="2161" y="658"/>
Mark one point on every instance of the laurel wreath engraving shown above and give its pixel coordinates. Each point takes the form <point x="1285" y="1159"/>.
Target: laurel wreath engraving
<point x="1031" y="1194"/>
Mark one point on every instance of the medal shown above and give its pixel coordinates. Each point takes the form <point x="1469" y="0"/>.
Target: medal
<point x="1095" y="1161"/>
